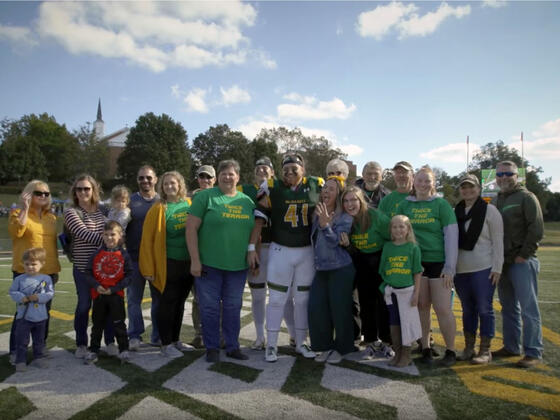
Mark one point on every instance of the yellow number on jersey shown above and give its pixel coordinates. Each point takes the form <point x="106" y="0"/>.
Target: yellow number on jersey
<point x="292" y="217"/>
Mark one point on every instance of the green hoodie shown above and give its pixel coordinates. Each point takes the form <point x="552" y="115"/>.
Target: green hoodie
<point x="523" y="223"/>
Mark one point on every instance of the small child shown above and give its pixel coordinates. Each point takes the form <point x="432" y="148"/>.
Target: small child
<point x="400" y="269"/>
<point x="119" y="211"/>
<point x="108" y="273"/>
<point x="31" y="291"/>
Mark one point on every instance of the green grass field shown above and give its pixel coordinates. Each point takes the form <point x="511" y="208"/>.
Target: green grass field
<point x="497" y="391"/>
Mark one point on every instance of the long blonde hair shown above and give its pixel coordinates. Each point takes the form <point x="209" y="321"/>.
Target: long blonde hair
<point x="362" y="218"/>
<point x="181" y="194"/>
<point x="410" y="237"/>
<point x="32" y="185"/>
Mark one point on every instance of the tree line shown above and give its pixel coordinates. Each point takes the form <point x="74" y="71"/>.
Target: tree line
<point x="37" y="146"/>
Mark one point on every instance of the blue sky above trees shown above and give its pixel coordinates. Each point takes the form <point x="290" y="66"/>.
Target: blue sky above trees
<point x="384" y="81"/>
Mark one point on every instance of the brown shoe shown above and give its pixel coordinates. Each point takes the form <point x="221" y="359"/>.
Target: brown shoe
<point x="503" y="352"/>
<point x="528" y="362"/>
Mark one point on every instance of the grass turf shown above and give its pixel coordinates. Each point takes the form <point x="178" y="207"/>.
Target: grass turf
<point x="497" y="391"/>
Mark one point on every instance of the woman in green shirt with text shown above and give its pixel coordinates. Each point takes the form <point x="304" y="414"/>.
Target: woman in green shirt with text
<point x="164" y="259"/>
<point x="436" y="231"/>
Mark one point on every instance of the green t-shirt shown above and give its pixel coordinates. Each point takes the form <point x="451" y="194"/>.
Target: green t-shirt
<point x="371" y="240"/>
<point x="175" y="218"/>
<point x="390" y="203"/>
<point x="292" y="210"/>
<point x="428" y="219"/>
<point x="251" y="190"/>
<point x="226" y="226"/>
<point x="398" y="265"/>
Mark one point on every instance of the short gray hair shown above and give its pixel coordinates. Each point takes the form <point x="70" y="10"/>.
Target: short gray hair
<point x="372" y="164"/>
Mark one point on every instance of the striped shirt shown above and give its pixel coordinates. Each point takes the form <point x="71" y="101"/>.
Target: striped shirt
<point x="87" y="234"/>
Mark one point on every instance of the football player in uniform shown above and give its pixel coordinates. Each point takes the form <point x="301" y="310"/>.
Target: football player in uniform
<point x="264" y="170"/>
<point x="289" y="204"/>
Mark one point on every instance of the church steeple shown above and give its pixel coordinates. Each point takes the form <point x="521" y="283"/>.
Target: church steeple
<point x="99" y="125"/>
<point x="99" y="116"/>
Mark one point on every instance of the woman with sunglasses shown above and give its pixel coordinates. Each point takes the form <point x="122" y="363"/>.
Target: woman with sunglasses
<point x="85" y="222"/>
<point x="289" y="203"/>
<point x="33" y="226"/>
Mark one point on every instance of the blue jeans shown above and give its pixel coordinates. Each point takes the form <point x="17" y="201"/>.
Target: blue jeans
<point x="36" y="330"/>
<point x="135" y="294"/>
<point x="81" y="315"/>
<point x="213" y="287"/>
<point x="476" y="291"/>
<point x="517" y="290"/>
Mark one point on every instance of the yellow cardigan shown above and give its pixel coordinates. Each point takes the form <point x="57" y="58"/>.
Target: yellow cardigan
<point x="152" y="259"/>
<point x="37" y="232"/>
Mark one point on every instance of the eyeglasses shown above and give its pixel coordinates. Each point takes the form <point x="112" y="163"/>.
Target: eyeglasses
<point x="83" y="189"/>
<point x="337" y="173"/>
<point x="41" y="193"/>
<point x="147" y="178"/>
<point x="508" y="174"/>
<point x="205" y="176"/>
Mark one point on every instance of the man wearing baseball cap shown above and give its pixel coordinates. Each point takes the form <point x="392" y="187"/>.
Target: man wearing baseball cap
<point x="403" y="174"/>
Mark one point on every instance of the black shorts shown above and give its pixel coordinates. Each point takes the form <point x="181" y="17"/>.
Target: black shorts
<point x="432" y="270"/>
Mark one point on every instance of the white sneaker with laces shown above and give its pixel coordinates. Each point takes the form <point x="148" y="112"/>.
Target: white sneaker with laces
<point x="322" y="357"/>
<point x="134" y="344"/>
<point x="171" y="351"/>
<point x="111" y="349"/>
<point x="271" y="354"/>
<point x="306" y="351"/>
<point x="90" y="358"/>
<point x="124" y="356"/>
<point x="387" y="351"/>
<point x="81" y="352"/>
<point x="183" y="346"/>
<point x="258" y="344"/>
<point x="334" y="358"/>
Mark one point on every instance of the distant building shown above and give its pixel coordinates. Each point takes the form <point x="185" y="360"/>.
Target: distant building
<point x="115" y="140"/>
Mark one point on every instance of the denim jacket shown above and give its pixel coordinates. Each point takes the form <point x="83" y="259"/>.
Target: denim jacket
<point x="329" y="255"/>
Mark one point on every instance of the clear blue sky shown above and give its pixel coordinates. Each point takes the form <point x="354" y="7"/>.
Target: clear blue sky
<point x="384" y="81"/>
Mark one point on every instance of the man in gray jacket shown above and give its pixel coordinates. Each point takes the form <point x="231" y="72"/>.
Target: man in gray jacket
<point x="517" y="289"/>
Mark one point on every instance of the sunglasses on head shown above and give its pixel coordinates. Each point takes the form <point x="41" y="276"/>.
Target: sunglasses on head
<point x="147" y="178"/>
<point x="83" y="189"/>
<point x="501" y="174"/>
<point x="205" y="176"/>
<point x="41" y="193"/>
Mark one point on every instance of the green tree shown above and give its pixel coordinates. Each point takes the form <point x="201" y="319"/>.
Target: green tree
<point x="317" y="151"/>
<point x="220" y="143"/>
<point x="157" y="141"/>
<point x="553" y="208"/>
<point x="492" y="153"/>
<point x="94" y="153"/>
<point x="24" y="140"/>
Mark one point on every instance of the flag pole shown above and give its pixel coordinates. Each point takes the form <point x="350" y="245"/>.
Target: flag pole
<point x="467" y="154"/>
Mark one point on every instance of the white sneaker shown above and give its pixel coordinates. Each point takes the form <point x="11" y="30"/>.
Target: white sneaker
<point x="90" y="358"/>
<point x="183" y="346"/>
<point x="111" y="349"/>
<point x="322" y="357"/>
<point x="124" y="356"/>
<point x="271" y="354"/>
<point x="306" y="351"/>
<point x="134" y="344"/>
<point x="81" y="352"/>
<point x="387" y="351"/>
<point x="258" y="344"/>
<point x="171" y="351"/>
<point x="334" y="358"/>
